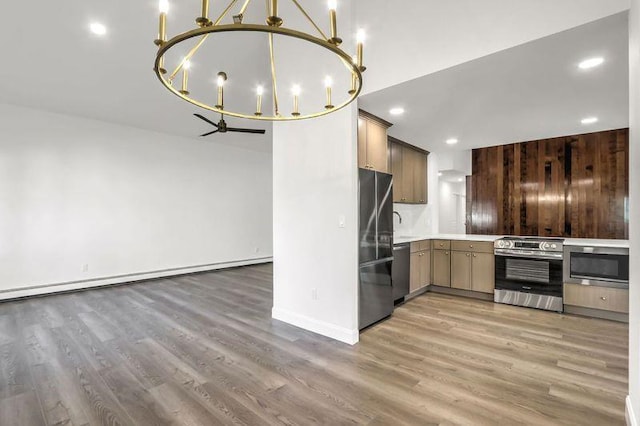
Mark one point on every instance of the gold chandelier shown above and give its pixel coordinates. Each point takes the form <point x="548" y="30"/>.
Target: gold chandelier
<point x="177" y="81"/>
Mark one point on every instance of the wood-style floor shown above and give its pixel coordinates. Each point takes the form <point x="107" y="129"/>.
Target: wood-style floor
<point x="203" y="350"/>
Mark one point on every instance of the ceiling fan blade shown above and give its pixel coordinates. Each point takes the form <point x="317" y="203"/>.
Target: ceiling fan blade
<point x="207" y="120"/>
<point x="257" y="131"/>
<point x="210" y="133"/>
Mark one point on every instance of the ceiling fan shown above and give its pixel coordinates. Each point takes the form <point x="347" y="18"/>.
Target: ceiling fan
<point x="221" y="127"/>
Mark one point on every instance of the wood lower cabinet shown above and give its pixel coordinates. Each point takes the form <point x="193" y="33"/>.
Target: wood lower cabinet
<point x="474" y="269"/>
<point x="461" y="270"/>
<point x="373" y="145"/>
<point x="603" y="298"/>
<point x="409" y="170"/>
<point x="483" y="272"/>
<point x="441" y="267"/>
<point x="420" y="275"/>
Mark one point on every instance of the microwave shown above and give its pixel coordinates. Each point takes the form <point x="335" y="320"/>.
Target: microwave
<point x="599" y="266"/>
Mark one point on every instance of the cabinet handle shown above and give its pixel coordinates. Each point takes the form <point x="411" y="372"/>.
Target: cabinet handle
<point x="467" y="254"/>
<point x="441" y="244"/>
<point x="603" y="298"/>
<point x="446" y="253"/>
<point x="470" y="245"/>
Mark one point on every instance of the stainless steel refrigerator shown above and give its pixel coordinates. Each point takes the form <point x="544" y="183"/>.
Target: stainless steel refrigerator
<point x="376" y="247"/>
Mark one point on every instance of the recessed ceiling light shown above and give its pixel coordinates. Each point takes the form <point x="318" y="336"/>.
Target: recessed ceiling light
<point x="590" y="63"/>
<point x="439" y="173"/>
<point x="396" y="111"/>
<point x="461" y="180"/>
<point x="589" y="120"/>
<point x="452" y="141"/>
<point x="97" y="28"/>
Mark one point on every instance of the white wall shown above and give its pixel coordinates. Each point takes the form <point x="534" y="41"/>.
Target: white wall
<point x="315" y="260"/>
<point x="122" y="201"/>
<point x="633" y="402"/>
<point x="452" y="207"/>
<point x="410" y="39"/>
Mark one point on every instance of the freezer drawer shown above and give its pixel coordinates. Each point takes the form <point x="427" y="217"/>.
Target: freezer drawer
<point x="375" y="293"/>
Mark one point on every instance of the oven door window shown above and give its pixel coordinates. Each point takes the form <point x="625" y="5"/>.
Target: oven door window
<point x="607" y="267"/>
<point x="527" y="270"/>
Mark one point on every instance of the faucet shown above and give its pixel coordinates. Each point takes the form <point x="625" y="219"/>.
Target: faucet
<point x="399" y="217"/>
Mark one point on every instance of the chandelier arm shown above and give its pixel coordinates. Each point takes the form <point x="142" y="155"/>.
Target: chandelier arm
<point x="273" y="75"/>
<point x="188" y="56"/>
<point x="224" y="13"/>
<point x="304" y="12"/>
<point x="244" y="7"/>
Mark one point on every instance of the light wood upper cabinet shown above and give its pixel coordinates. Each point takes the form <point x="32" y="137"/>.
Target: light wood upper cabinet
<point x="419" y="178"/>
<point x="373" y="145"/>
<point x="409" y="169"/>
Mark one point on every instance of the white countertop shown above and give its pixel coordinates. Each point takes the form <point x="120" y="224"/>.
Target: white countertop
<point x="401" y="239"/>
<point x="409" y="239"/>
<point x="596" y="243"/>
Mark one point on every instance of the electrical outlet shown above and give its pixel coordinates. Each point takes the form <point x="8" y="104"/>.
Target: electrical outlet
<point x="314" y="294"/>
<point x="257" y="249"/>
<point x="341" y="221"/>
<point x="85" y="267"/>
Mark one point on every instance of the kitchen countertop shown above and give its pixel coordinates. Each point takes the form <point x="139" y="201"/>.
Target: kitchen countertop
<point x="409" y="239"/>
<point x="596" y="243"/>
<point x="402" y="239"/>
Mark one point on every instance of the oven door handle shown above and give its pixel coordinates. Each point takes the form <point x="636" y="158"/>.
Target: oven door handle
<point x="530" y="255"/>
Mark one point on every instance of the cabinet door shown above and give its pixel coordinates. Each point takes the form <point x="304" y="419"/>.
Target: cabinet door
<point x="420" y="178"/>
<point x="483" y="272"/>
<point x="397" y="172"/>
<point x="362" y="143"/>
<point x="408" y="164"/>
<point x="425" y="268"/>
<point x="441" y="268"/>
<point x="377" y="147"/>
<point x="461" y="270"/>
<point x="415" y="276"/>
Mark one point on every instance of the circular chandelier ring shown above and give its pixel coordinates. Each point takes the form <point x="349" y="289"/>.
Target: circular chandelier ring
<point x="346" y="59"/>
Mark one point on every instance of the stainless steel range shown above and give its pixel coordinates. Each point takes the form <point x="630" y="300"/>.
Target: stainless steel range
<point x="529" y="272"/>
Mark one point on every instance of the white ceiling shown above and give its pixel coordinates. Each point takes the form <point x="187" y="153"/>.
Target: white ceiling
<point x="524" y="93"/>
<point x="411" y="38"/>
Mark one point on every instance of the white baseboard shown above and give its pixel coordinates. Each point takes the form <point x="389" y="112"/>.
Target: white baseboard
<point x="333" y="331"/>
<point x="629" y="413"/>
<point x="123" y="279"/>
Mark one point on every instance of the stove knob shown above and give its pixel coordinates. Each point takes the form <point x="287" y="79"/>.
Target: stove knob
<point x="553" y="246"/>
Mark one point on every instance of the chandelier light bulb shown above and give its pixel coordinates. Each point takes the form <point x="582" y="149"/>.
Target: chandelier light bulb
<point x="360" y="37"/>
<point x="328" y="81"/>
<point x="260" y="90"/>
<point x="164" y="6"/>
<point x="186" y="65"/>
<point x="296" y="90"/>
<point x="220" y="81"/>
<point x="333" y="4"/>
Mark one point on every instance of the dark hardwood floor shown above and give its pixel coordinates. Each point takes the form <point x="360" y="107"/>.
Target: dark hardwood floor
<point x="203" y="350"/>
